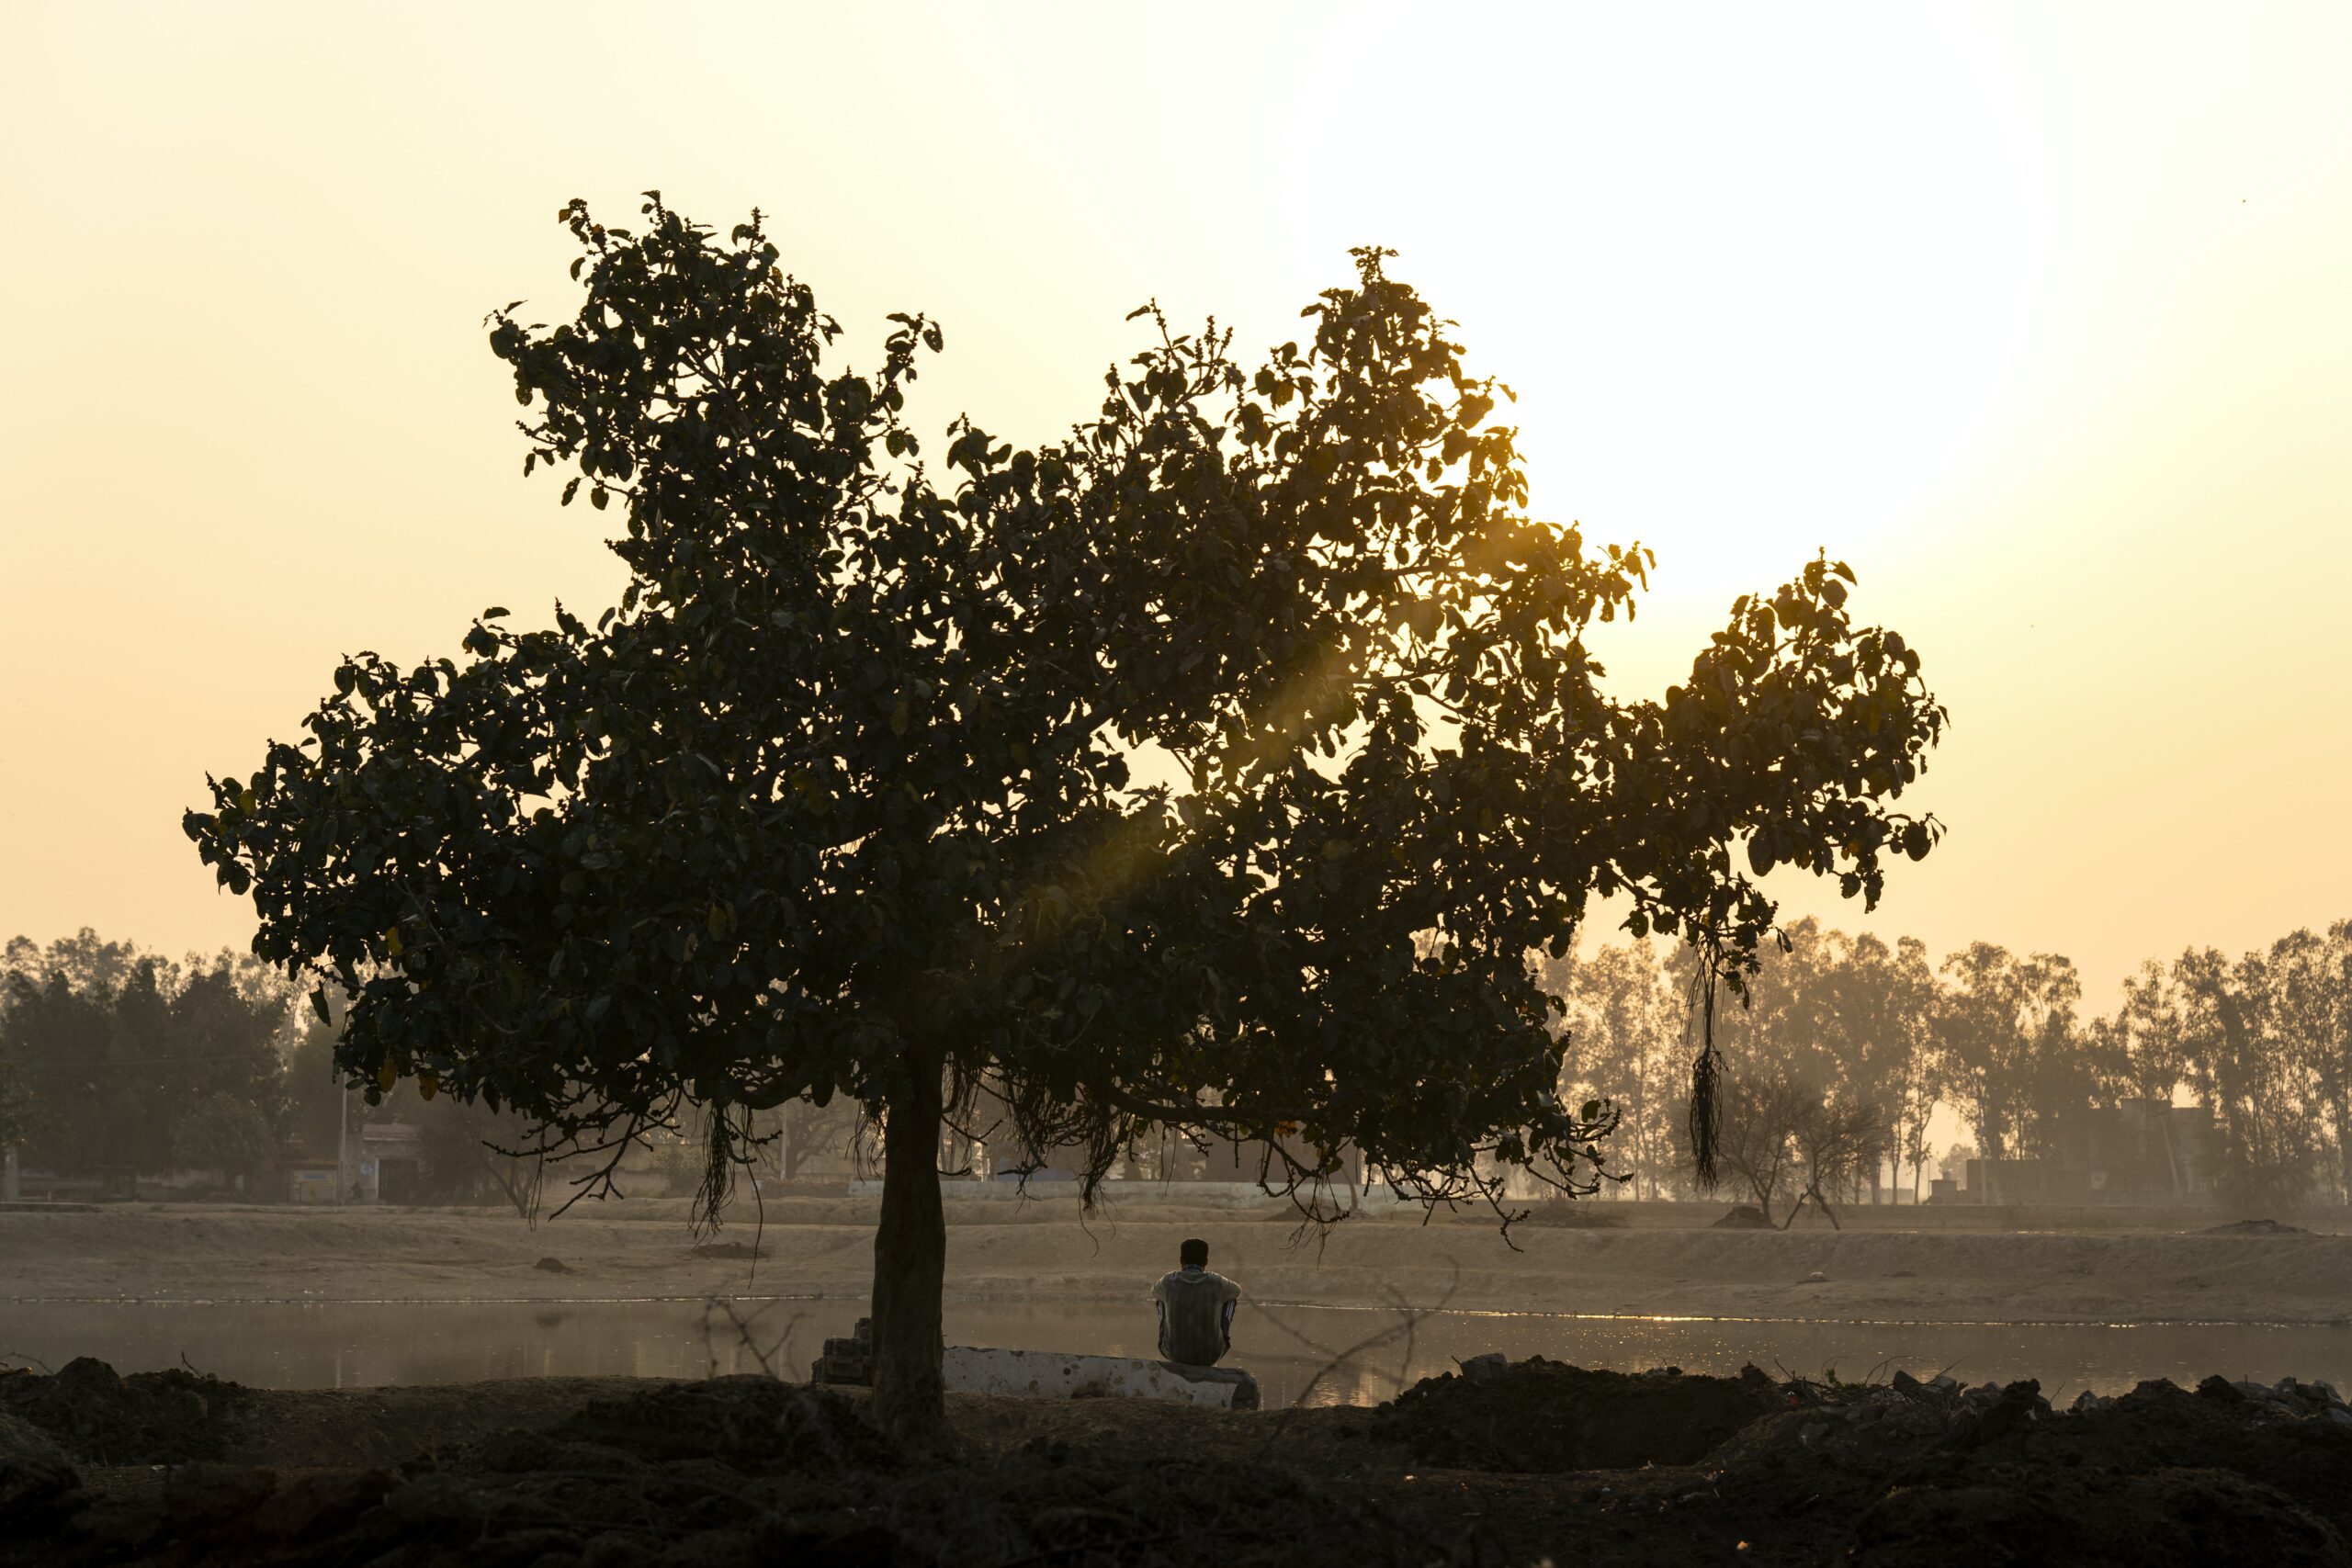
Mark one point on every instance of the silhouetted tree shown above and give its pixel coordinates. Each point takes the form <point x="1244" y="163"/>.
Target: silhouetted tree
<point x="225" y="1036"/>
<point x="2060" y="1078"/>
<point x="1911" y="1085"/>
<point x="2141" y="1049"/>
<point x="1624" y="1023"/>
<point x="2306" y="975"/>
<point x="89" y="963"/>
<point x="222" y="1133"/>
<point x="2258" y="1086"/>
<point x="1836" y="1137"/>
<point x="842" y="797"/>
<point x="1763" y="1102"/>
<point x="1954" y="1160"/>
<point x="313" y="1093"/>
<point x="50" y="1025"/>
<point x="15" y="1098"/>
<point x="2012" y="1052"/>
<point x="112" y="1047"/>
<point x="1867" y="1013"/>
<point x="470" y="1152"/>
<point x="2247" y="1063"/>
<point x="803" y="1132"/>
<point x="2330" y="968"/>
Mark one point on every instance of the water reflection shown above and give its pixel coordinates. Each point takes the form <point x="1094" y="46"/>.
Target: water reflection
<point x="1327" y="1355"/>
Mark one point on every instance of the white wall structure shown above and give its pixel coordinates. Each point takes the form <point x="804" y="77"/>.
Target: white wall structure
<point x="1053" y="1375"/>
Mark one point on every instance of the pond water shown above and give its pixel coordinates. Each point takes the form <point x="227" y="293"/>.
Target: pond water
<point x="1299" y="1354"/>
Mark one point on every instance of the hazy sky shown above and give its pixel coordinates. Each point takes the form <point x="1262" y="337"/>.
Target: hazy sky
<point x="2041" y="316"/>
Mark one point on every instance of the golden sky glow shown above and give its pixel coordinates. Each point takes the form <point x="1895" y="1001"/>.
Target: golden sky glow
<point x="2041" y="316"/>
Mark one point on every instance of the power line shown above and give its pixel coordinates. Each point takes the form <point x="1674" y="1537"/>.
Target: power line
<point x="126" y="1061"/>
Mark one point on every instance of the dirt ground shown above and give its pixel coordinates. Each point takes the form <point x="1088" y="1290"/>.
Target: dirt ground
<point x="1023" y="1251"/>
<point x="1465" y="1469"/>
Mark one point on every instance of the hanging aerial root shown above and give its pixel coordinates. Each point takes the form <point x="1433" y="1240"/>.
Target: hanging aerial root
<point x="1706" y="1071"/>
<point x="720" y="1160"/>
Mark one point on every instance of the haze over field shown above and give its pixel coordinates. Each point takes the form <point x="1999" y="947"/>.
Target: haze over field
<point x="982" y="968"/>
<point x="2035" y="315"/>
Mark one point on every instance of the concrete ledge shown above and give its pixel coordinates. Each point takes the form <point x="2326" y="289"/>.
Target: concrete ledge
<point x="1052" y="1374"/>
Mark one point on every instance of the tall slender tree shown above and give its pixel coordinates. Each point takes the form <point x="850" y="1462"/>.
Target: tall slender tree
<point x="2260" y="1090"/>
<point x="1912" y="1083"/>
<point x="2142" y="1046"/>
<point x="1982" y="1043"/>
<point x="2331" y="1046"/>
<point x="2306" y="1010"/>
<point x="1624" y="1027"/>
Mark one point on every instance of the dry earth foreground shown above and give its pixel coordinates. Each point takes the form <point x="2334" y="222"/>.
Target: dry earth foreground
<point x="1030" y="1251"/>
<point x="1502" y="1464"/>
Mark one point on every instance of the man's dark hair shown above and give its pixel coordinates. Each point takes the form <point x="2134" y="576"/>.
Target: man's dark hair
<point x="1192" y="1252"/>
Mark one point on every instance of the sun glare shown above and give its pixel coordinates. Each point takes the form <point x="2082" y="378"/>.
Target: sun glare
<point x="1690" y="373"/>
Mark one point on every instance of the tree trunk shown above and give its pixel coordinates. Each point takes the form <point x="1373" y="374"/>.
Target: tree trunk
<point x="910" y="1267"/>
<point x="2343" y="1148"/>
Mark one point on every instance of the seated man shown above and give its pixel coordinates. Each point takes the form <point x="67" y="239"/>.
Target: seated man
<point x="1195" y="1309"/>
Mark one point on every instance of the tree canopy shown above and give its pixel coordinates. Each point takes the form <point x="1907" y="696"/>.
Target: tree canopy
<point x="223" y="1133"/>
<point x="1217" y="767"/>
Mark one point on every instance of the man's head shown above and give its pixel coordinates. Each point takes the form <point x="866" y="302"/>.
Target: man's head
<point x="1193" y="1254"/>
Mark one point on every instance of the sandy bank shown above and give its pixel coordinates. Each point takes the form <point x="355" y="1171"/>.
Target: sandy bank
<point x="1045" y="1250"/>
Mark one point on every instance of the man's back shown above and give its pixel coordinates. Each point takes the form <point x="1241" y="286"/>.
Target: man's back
<point x="1195" y="1316"/>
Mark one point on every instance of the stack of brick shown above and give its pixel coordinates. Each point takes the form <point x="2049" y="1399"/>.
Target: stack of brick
<point x="849" y="1361"/>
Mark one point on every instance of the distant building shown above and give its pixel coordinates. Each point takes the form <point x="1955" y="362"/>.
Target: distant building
<point x="308" y="1181"/>
<point x="387" y="1166"/>
<point x="2137" y="1151"/>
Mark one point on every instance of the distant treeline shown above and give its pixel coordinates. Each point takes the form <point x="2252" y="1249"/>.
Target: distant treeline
<point x="1849" y="1045"/>
<point x="115" y="1060"/>
<point x="120" y="1063"/>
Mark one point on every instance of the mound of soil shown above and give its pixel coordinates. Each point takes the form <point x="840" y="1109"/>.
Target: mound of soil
<point x="2157" y="1477"/>
<point x="1545" y="1417"/>
<point x="2235" y="1473"/>
<point x="2295" y="1437"/>
<point x="38" y="1493"/>
<point x="752" y="1425"/>
<point x="682" y="1477"/>
<point x="2253" y="1227"/>
<point x="746" y="1471"/>
<point x="2164" y="1519"/>
<point x="22" y="1442"/>
<point x="1744" y="1217"/>
<point x="167" y="1418"/>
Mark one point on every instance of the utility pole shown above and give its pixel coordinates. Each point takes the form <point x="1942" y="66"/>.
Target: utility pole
<point x="342" y="1105"/>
